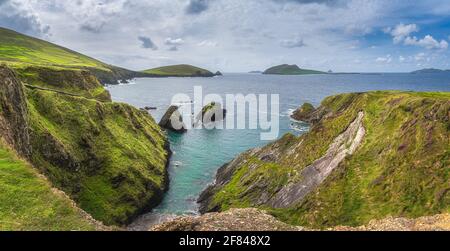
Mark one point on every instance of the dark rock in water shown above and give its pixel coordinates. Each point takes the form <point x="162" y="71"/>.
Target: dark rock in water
<point x="148" y="108"/>
<point x="304" y="113"/>
<point x="218" y="73"/>
<point x="211" y="113"/>
<point x="173" y="120"/>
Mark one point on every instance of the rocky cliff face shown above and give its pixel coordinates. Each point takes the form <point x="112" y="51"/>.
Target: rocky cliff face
<point x="367" y="156"/>
<point x="110" y="158"/>
<point x="13" y="112"/>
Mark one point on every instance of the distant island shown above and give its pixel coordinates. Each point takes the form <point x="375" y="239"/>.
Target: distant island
<point x="182" y="70"/>
<point x="430" y="70"/>
<point x="255" y="72"/>
<point x="286" y="69"/>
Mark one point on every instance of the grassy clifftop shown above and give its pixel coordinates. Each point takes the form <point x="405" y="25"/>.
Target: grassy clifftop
<point x="180" y="71"/>
<point x="371" y="155"/>
<point x="21" y="51"/>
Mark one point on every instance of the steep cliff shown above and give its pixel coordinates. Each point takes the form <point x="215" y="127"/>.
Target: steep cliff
<point x="110" y="158"/>
<point x="367" y="156"/>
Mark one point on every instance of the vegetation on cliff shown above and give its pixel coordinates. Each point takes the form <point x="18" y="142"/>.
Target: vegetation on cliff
<point x="28" y="202"/>
<point x="290" y="70"/>
<point x="370" y="155"/>
<point x="109" y="157"/>
<point x="182" y="70"/>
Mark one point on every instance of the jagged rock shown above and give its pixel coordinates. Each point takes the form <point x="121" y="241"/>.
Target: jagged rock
<point x="173" y="120"/>
<point x="13" y="112"/>
<point x="218" y="73"/>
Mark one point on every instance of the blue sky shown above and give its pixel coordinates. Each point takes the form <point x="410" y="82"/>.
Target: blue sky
<point x="239" y="36"/>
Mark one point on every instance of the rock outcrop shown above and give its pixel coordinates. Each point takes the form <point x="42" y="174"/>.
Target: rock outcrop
<point x="367" y="156"/>
<point x="13" y="112"/>
<point x="304" y="113"/>
<point x="173" y="120"/>
<point x="251" y="219"/>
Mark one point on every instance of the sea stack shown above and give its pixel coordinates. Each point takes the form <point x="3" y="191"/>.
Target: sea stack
<point x="173" y="120"/>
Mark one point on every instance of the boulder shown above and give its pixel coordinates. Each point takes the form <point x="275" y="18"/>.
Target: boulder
<point x="173" y="120"/>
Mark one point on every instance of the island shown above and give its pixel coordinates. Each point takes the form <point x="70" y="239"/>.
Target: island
<point x="286" y="69"/>
<point x="182" y="70"/>
<point x="430" y="71"/>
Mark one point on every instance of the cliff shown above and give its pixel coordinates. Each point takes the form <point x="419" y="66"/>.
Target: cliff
<point x="368" y="156"/>
<point x="109" y="157"/>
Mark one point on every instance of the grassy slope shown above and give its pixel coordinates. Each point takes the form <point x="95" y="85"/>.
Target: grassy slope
<point x="290" y="70"/>
<point x="27" y="201"/>
<point x="179" y="71"/>
<point x="21" y="51"/>
<point x="401" y="169"/>
<point x="109" y="157"/>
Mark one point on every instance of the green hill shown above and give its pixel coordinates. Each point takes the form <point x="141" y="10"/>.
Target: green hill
<point x="22" y="52"/>
<point x="290" y="70"/>
<point x="182" y="70"/>
<point x="368" y="156"/>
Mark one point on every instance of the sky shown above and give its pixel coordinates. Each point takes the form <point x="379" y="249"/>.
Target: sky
<point x="244" y="35"/>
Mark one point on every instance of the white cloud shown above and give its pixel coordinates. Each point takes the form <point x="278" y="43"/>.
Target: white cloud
<point x="208" y="43"/>
<point x="401" y="59"/>
<point x="401" y="32"/>
<point x="174" y="43"/>
<point x="386" y="60"/>
<point x="292" y="43"/>
<point x="427" y="42"/>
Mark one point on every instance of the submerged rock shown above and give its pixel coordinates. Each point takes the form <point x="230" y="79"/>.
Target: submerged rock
<point x="173" y="120"/>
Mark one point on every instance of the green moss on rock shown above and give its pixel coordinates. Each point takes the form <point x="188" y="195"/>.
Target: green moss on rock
<point x="399" y="169"/>
<point x="110" y="157"/>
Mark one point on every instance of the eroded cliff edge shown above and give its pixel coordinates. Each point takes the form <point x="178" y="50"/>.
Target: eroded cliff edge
<point x="110" y="158"/>
<point x="368" y="156"/>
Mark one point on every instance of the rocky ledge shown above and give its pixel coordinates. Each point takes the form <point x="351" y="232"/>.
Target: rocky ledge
<point x="251" y="219"/>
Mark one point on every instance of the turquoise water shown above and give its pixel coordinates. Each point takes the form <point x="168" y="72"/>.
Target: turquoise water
<point x="199" y="153"/>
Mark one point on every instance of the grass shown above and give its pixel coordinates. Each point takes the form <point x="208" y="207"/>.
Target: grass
<point x="401" y="168"/>
<point x="179" y="71"/>
<point x="28" y="202"/>
<point x="109" y="157"/>
<point x="22" y="51"/>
